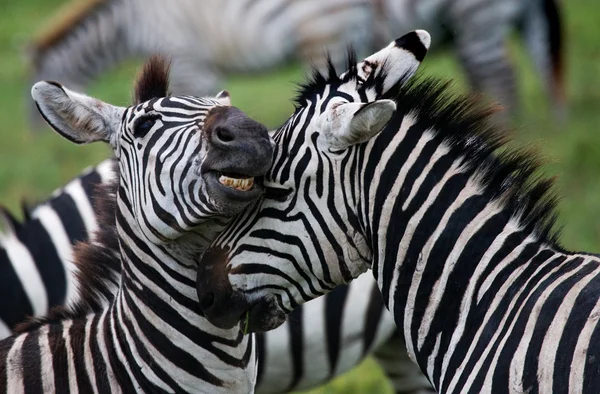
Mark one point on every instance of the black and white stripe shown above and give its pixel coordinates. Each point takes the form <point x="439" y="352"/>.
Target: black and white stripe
<point x="171" y="153"/>
<point x="458" y="236"/>
<point x="213" y="38"/>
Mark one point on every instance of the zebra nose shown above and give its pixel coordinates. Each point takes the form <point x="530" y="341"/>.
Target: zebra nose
<point x="223" y="135"/>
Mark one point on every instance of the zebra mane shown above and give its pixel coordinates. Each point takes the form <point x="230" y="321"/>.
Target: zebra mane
<point x="318" y="79"/>
<point x="97" y="261"/>
<point x="153" y="80"/>
<point x="464" y="123"/>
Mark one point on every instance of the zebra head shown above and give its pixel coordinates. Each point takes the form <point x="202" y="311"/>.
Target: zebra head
<point x="281" y="252"/>
<point x="182" y="159"/>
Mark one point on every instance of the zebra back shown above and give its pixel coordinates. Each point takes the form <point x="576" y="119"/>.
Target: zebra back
<point x="36" y="254"/>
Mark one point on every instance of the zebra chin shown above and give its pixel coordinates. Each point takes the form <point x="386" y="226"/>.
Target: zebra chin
<point x="227" y="312"/>
<point x="225" y="307"/>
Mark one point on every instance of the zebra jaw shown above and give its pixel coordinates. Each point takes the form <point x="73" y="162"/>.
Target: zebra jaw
<point x="242" y="184"/>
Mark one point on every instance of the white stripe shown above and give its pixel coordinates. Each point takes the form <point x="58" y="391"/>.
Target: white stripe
<point x="46" y="361"/>
<point x="27" y="271"/>
<point x="84" y="206"/>
<point x="105" y="170"/>
<point x="71" y="371"/>
<point x="5" y="331"/>
<point x="102" y="345"/>
<point x="14" y="370"/>
<point x="87" y="353"/>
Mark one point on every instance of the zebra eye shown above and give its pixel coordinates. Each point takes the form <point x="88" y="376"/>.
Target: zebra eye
<point x="276" y="193"/>
<point x="143" y="125"/>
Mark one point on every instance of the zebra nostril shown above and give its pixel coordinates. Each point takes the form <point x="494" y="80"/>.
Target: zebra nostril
<point x="224" y="135"/>
<point x="208" y="301"/>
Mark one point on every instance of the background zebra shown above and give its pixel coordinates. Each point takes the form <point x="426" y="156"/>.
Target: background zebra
<point x="458" y="237"/>
<point x="185" y="164"/>
<point x="347" y="324"/>
<point x="214" y="38"/>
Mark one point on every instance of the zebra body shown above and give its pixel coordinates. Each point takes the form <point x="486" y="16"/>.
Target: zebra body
<point x="320" y="340"/>
<point x="173" y="156"/>
<point x="213" y="37"/>
<point x="458" y="236"/>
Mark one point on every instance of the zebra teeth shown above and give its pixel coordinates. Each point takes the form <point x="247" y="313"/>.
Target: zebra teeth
<point x="242" y="184"/>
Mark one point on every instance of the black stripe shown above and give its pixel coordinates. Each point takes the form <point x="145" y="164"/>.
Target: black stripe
<point x="412" y="43"/>
<point x="296" y="332"/>
<point x="372" y="319"/>
<point x="592" y="364"/>
<point x="37" y="240"/>
<point x="335" y="304"/>
<point x="30" y="360"/>
<point x="19" y="306"/>
<point x="69" y="215"/>
<point x="59" y="358"/>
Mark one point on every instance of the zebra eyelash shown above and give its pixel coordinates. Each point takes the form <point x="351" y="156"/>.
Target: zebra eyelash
<point x="144" y="124"/>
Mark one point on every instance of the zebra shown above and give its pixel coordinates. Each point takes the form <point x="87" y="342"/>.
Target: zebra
<point x="185" y="165"/>
<point x="458" y="233"/>
<point x="215" y="38"/>
<point x="291" y="358"/>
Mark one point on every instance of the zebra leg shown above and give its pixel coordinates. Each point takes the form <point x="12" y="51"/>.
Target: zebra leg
<point x="483" y="53"/>
<point x="189" y="76"/>
<point x="542" y="33"/>
<point x="404" y="374"/>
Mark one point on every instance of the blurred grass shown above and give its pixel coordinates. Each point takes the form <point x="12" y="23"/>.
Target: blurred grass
<point x="33" y="165"/>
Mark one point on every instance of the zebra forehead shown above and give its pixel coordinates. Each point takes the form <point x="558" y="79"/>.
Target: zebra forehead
<point x="153" y="80"/>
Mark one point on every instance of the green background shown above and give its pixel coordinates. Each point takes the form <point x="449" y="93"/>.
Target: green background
<point x="32" y="165"/>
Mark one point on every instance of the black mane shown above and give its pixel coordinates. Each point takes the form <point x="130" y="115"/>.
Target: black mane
<point x="464" y="122"/>
<point x="153" y="80"/>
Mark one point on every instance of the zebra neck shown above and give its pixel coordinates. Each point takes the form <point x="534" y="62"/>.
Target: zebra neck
<point x="157" y="303"/>
<point x="84" y="45"/>
<point x="446" y="250"/>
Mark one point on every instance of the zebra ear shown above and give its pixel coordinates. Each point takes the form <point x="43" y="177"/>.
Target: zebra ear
<point x="398" y="61"/>
<point x="354" y="123"/>
<point x="75" y="116"/>
<point x="224" y="98"/>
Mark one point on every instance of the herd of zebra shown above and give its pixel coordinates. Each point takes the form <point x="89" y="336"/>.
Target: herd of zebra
<point x="186" y="263"/>
<point x="221" y="37"/>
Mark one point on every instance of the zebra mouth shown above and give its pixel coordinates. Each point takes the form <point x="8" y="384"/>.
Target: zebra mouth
<point x="263" y="316"/>
<point x="236" y="181"/>
<point x="233" y="187"/>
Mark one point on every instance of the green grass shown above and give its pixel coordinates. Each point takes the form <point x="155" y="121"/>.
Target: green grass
<point x="31" y="165"/>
